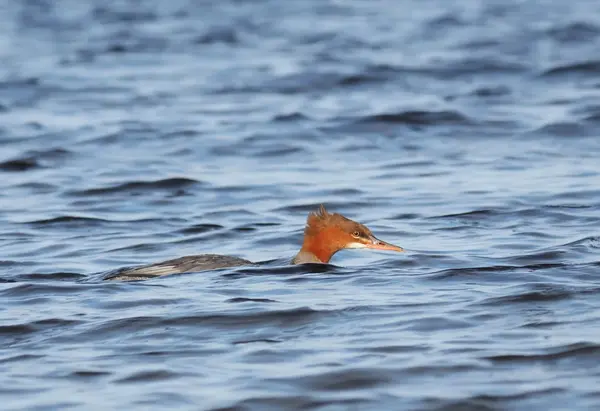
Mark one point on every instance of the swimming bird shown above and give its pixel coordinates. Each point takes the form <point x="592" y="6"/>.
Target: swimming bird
<point x="324" y="235"/>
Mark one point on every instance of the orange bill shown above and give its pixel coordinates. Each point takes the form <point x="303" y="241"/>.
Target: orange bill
<point x="377" y="244"/>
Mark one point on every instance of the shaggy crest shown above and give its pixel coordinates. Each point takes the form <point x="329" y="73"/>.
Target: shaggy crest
<point x="320" y="219"/>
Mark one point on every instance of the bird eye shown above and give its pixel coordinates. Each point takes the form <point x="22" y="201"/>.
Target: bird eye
<point x="356" y="234"/>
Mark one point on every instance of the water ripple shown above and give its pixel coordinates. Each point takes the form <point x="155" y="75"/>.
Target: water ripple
<point x="138" y="132"/>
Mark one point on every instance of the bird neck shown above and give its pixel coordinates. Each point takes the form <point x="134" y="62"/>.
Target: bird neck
<point x="318" y="248"/>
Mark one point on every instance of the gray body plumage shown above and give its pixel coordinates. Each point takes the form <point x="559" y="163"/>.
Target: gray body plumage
<point x="189" y="264"/>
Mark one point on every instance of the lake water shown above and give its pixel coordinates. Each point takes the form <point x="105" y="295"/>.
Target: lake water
<point x="467" y="132"/>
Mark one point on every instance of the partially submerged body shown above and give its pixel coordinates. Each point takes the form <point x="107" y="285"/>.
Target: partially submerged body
<point x="188" y="264"/>
<point x="325" y="234"/>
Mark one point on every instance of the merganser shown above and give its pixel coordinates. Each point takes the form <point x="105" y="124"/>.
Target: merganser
<point x="325" y="234"/>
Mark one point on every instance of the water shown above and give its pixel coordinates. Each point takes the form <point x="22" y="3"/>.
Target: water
<point x="136" y="131"/>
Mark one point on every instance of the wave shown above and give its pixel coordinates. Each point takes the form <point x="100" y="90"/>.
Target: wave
<point x="139" y="186"/>
<point x="583" y="68"/>
<point x="419" y="117"/>
<point x="576" y="352"/>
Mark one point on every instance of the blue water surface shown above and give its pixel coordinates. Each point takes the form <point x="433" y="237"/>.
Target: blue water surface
<point x="467" y="132"/>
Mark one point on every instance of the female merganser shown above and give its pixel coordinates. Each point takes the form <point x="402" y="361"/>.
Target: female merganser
<point x="325" y="234"/>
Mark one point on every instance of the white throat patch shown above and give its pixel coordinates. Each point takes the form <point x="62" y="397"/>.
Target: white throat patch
<point x="356" y="245"/>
